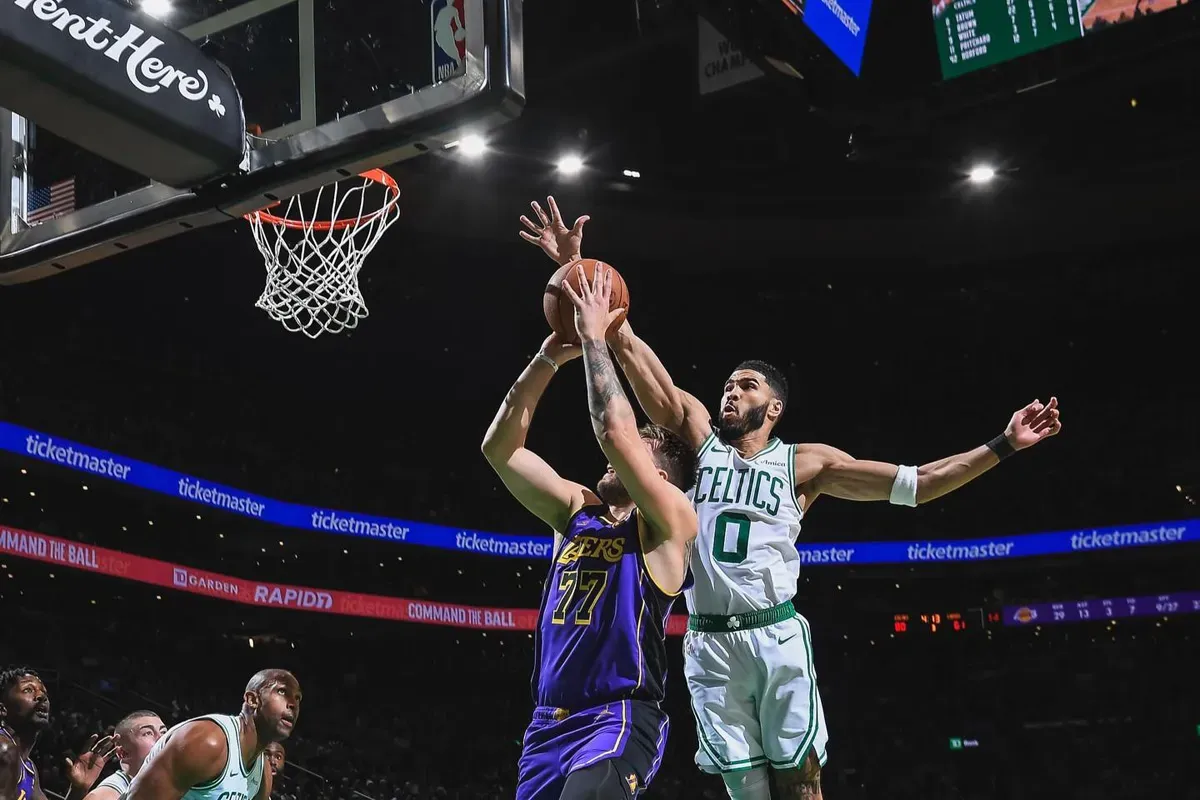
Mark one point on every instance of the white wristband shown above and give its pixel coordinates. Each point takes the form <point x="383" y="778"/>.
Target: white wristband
<point x="543" y="357"/>
<point x="904" y="489"/>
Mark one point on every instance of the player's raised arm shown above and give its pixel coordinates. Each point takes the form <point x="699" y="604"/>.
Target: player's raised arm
<point x="193" y="756"/>
<point x="664" y="403"/>
<point x="561" y="244"/>
<point x="84" y="771"/>
<point x="531" y="480"/>
<point x="662" y="504"/>
<point x="821" y="469"/>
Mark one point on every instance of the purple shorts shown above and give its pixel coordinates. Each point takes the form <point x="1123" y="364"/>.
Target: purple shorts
<point x="558" y="743"/>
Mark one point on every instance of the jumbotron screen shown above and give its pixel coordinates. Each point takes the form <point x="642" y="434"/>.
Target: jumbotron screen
<point x="973" y="34"/>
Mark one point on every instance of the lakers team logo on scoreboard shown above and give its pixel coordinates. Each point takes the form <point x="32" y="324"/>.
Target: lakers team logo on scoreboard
<point x="447" y="19"/>
<point x="1025" y="615"/>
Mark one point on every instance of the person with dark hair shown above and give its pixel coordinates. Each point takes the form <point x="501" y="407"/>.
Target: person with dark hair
<point x="219" y="756"/>
<point x="619" y="560"/>
<point x="276" y="757"/>
<point x="134" y="736"/>
<point x="24" y="714"/>
<point x="276" y="760"/>
<point x="752" y="491"/>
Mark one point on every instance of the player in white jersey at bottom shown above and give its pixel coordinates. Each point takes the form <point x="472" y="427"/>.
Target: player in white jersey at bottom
<point x="748" y="654"/>
<point x="134" y="737"/>
<point x="220" y="756"/>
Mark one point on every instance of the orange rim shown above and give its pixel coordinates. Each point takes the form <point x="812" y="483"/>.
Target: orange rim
<point x="373" y="175"/>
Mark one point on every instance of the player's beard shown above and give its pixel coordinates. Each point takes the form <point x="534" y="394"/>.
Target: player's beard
<point x="748" y="423"/>
<point x="612" y="491"/>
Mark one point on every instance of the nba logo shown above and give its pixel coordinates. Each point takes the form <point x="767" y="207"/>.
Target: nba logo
<point x="447" y="20"/>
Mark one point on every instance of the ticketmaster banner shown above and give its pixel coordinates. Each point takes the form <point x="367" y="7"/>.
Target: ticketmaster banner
<point x="63" y="452"/>
<point x="45" y="447"/>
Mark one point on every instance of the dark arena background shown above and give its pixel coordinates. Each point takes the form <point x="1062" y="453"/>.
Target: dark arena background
<point x="926" y="232"/>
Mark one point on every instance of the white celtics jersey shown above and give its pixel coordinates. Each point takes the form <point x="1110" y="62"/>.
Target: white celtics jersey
<point x="119" y="782"/>
<point x="235" y="782"/>
<point x="745" y="555"/>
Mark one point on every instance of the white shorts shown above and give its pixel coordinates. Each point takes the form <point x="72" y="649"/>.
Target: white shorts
<point x="754" y="696"/>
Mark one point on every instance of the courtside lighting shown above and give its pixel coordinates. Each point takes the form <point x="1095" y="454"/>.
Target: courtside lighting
<point x="159" y="9"/>
<point x="981" y="174"/>
<point x="473" y="146"/>
<point x="570" y="165"/>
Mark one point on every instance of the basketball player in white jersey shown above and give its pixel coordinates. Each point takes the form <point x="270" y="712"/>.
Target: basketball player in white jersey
<point x="134" y="736"/>
<point x="747" y="654"/>
<point x="219" y="756"/>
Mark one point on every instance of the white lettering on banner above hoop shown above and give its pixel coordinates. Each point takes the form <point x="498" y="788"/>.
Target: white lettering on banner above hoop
<point x="146" y="74"/>
<point x="721" y="64"/>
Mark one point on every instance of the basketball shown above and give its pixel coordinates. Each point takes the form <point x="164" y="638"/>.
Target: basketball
<point x="560" y="312"/>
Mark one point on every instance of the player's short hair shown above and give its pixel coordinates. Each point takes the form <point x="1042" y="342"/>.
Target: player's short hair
<point x="125" y="726"/>
<point x="773" y="375"/>
<point x="267" y="677"/>
<point x="11" y="676"/>
<point x="672" y="455"/>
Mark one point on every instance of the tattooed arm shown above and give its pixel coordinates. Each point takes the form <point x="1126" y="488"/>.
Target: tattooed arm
<point x="801" y="783"/>
<point x="663" y="505"/>
<point x="660" y="502"/>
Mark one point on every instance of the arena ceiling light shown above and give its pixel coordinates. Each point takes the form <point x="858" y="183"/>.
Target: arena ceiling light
<point x="159" y="9"/>
<point x="981" y="174"/>
<point x="570" y="164"/>
<point x="473" y="146"/>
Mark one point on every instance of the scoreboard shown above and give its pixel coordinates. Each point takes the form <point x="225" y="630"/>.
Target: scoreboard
<point x="943" y="622"/>
<point x="1157" y="605"/>
<point x="975" y="620"/>
<point x="974" y="34"/>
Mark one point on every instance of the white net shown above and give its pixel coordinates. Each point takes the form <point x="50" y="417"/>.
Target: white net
<point x="314" y="249"/>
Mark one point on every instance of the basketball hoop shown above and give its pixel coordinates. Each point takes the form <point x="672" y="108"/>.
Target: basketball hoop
<point x="312" y="264"/>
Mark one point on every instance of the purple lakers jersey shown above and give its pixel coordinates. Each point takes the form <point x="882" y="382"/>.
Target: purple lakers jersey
<point x="25" y="781"/>
<point x="602" y="623"/>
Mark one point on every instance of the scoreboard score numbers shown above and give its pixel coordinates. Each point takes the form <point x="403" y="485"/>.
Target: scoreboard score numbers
<point x="943" y="622"/>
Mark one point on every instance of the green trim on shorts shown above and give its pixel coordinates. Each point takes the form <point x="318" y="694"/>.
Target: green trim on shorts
<point x="726" y="767"/>
<point x="716" y="623"/>
<point x="810" y="738"/>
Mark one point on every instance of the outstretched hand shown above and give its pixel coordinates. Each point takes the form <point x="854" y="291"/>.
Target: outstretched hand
<point x="1033" y="423"/>
<point x="563" y="245"/>
<point x="85" y="770"/>
<point x="593" y="317"/>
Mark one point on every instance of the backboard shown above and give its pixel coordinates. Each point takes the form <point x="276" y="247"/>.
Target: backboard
<point x="329" y="88"/>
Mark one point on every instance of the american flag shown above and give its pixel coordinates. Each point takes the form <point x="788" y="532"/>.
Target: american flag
<point x="50" y="202"/>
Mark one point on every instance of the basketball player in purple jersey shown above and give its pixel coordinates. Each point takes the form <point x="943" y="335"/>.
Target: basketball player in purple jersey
<point x="24" y="714"/>
<point x="620" y="559"/>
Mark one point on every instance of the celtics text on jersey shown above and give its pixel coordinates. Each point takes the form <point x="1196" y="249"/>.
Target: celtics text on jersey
<point x="745" y="555"/>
